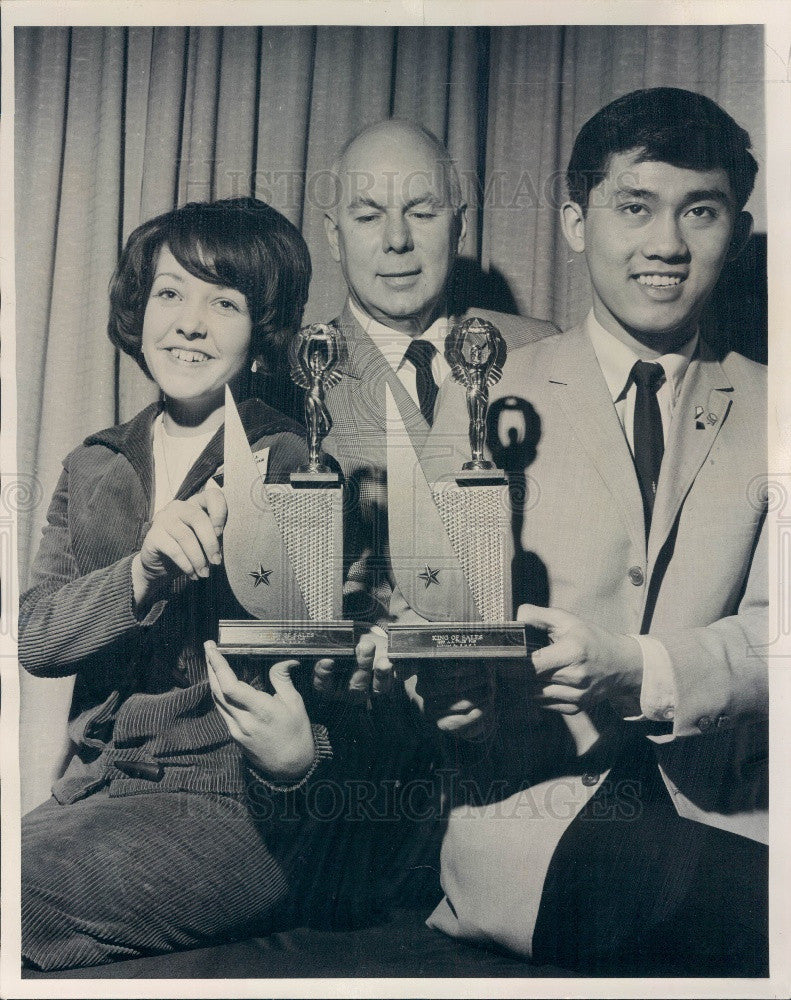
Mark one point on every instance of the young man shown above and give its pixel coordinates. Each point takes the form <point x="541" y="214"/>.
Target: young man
<point x="635" y="837"/>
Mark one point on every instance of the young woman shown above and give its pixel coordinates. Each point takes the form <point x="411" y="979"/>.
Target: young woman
<point x="149" y="843"/>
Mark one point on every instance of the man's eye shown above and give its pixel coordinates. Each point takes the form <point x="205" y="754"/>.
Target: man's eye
<point x="703" y="212"/>
<point x="365" y="218"/>
<point x="634" y="209"/>
<point x="423" y="215"/>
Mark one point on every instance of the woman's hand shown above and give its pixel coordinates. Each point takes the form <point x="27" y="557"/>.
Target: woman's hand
<point x="274" y="731"/>
<point x="183" y="538"/>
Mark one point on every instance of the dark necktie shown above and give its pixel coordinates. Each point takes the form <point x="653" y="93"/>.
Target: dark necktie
<point x="421" y="354"/>
<point x="649" y="441"/>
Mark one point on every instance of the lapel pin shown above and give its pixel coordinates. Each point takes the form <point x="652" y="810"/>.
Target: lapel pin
<point x="711" y="418"/>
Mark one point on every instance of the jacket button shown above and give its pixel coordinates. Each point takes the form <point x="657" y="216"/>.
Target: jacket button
<point x="723" y="721"/>
<point x="704" y="723"/>
<point x="589" y="779"/>
<point x="636" y="576"/>
<point x="148" y="769"/>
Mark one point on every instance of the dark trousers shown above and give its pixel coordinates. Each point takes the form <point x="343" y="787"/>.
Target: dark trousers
<point x="634" y="889"/>
<point x="106" y="878"/>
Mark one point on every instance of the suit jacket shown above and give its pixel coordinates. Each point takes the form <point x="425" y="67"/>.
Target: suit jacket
<point x="358" y="442"/>
<point x="700" y="584"/>
<point x="142" y="717"/>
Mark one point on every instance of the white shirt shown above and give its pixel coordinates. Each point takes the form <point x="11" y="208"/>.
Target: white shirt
<point x="393" y="344"/>
<point x="173" y="458"/>
<point x="616" y="360"/>
<point x="658" y="692"/>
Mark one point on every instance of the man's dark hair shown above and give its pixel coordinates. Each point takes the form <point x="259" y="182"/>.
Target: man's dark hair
<point x="238" y="243"/>
<point x="666" y="125"/>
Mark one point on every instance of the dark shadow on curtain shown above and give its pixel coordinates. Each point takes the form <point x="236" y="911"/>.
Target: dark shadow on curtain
<point x="471" y="286"/>
<point x="736" y="316"/>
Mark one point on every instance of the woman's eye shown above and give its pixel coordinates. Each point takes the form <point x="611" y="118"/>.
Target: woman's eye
<point x="166" y="293"/>
<point x="228" y="304"/>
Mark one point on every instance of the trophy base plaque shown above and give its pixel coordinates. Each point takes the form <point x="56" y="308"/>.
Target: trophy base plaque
<point x="286" y="638"/>
<point x="306" y="479"/>
<point x="460" y="641"/>
<point x="480" y="477"/>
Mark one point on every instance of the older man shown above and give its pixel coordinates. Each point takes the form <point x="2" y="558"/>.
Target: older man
<point x="396" y="230"/>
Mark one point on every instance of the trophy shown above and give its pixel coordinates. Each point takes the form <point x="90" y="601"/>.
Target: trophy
<point x="283" y="542"/>
<point x="451" y="541"/>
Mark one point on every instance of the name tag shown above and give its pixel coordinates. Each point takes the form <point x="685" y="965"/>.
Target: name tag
<point x="262" y="464"/>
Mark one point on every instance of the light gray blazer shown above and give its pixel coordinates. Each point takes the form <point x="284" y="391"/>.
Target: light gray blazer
<point x="701" y="583"/>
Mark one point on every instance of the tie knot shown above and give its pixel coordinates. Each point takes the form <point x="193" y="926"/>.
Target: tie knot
<point x="420" y="353"/>
<point x="648" y="375"/>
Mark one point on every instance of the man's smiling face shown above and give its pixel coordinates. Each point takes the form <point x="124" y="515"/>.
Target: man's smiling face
<point x="395" y="231"/>
<point x="655" y="238"/>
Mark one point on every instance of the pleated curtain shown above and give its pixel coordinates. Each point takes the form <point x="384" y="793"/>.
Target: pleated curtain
<point x="114" y="125"/>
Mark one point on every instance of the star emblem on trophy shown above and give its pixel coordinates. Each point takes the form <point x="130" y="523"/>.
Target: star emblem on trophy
<point x="261" y="575"/>
<point x="429" y="576"/>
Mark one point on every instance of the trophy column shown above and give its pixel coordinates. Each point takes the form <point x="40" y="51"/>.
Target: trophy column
<point x="283" y="542"/>
<point x="463" y="586"/>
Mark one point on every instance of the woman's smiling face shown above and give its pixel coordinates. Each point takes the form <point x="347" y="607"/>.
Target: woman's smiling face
<point x="196" y="336"/>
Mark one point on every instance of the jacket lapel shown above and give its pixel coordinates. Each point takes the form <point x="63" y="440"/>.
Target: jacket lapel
<point x="700" y="412"/>
<point x="258" y="420"/>
<point x="357" y="402"/>
<point x="133" y="440"/>
<point x="582" y="392"/>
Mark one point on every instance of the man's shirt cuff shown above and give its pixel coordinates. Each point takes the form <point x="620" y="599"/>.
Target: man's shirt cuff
<point x="658" y="691"/>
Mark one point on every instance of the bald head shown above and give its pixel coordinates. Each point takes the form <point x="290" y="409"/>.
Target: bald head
<point x="417" y="145"/>
<point x="398" y="224"/>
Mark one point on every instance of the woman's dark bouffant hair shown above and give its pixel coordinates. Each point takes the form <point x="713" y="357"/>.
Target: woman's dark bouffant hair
<point x="238" y="243"/>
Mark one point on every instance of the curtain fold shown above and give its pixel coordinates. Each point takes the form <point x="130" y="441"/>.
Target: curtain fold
<point x="115" y="125"/>
<point x="283" y="126"/>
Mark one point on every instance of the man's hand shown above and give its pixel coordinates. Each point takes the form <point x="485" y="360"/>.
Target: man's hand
<point x="274" y="731"/>
<point x="458" y="695"/>
<point x="183" y="538"/>
<point x="371" y="675"/>
<point x="584" y="664"/>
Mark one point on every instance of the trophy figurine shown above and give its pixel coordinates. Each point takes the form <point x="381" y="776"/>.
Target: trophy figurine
<point x="313" y="369"/>
<point x="283" y="542"/>
<point x="475" y="351"/>
<point x="451" y="544"/>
